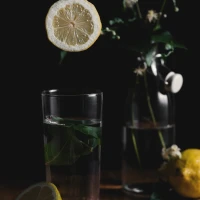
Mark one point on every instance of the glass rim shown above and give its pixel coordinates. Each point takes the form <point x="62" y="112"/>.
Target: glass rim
<point x="71" y="92"/>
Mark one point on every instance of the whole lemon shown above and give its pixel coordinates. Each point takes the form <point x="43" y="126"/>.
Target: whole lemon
<point x="183" y="173"/>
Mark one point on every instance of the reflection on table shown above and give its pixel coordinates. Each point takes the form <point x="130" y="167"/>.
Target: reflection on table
<point x="110" y="189"/>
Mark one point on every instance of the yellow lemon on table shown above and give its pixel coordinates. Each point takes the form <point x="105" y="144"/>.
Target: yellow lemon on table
<point x="183" y="173"/>
<point x="73" y="25"/>
<point x="40" y="191"/>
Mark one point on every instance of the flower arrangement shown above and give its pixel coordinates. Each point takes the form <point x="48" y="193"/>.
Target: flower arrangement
<point x="143" y="33"/>
<point x="147" y="38"/>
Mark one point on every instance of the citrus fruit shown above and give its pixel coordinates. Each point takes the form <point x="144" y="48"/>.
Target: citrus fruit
<point x="73" y="25"/>
<point x="40" y="191"/>
<point x="183" y="173"/>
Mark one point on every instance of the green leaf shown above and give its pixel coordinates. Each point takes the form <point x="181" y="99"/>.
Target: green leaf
<point x="164" y="37"/>
<point x="167" y="38"/>
<point x="69" y="140"/>
<point x="93" y="134"/>
<point x="64" y="148"/>
<point x="62" y="56"/>
<point x="88" y="130"/>
<point x="178" y="45"/>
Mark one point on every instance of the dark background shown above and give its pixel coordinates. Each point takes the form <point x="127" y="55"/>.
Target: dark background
<point x="30" y="64"/>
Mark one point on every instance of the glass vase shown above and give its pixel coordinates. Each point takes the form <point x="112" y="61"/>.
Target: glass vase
<point x="149" y="127"/>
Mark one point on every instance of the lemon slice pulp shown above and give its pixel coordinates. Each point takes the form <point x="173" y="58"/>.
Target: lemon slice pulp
<point x="73" y="25"/>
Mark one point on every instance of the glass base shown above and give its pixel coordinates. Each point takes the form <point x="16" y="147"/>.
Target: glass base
<point x="139" y="190"/>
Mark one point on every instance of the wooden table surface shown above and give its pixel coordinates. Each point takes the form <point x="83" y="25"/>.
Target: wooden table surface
<point x="10" y="193"/>
<point x="110" y="188"/>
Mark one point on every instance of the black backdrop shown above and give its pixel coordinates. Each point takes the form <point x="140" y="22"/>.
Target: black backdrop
<point x="30" y="64"/>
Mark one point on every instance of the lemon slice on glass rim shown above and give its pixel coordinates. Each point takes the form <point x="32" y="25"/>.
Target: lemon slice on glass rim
<point x="40" y="191"/>
<point x="73" y="25"/>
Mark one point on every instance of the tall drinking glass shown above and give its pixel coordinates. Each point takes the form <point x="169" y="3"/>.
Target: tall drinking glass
<point x="72" y="122"/>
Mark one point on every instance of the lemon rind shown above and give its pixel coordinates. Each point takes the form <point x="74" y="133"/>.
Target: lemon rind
<point x="55" y="191"/>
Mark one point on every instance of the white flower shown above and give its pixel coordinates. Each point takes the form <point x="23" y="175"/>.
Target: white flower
<point x="171" y="152"/>
<point x="140" y="71"/>
<point x="176" y="9"/>
<point x="152" y="16"/>
<point x="129" y="3"/>
<point x="118" y="37"/>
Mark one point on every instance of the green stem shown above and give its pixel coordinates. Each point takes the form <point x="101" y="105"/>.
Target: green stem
<point x="138" y="10"/>
<point x="163" y="6"/>
<point x="151" y="111"/>
<point x="136" y="149"/>
<point x="161" y="11"/>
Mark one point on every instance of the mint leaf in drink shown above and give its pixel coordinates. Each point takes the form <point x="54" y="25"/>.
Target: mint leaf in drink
<point x="69" y="140"/>
<point x="89" y="130"/>
<point x="61" y="149"/>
